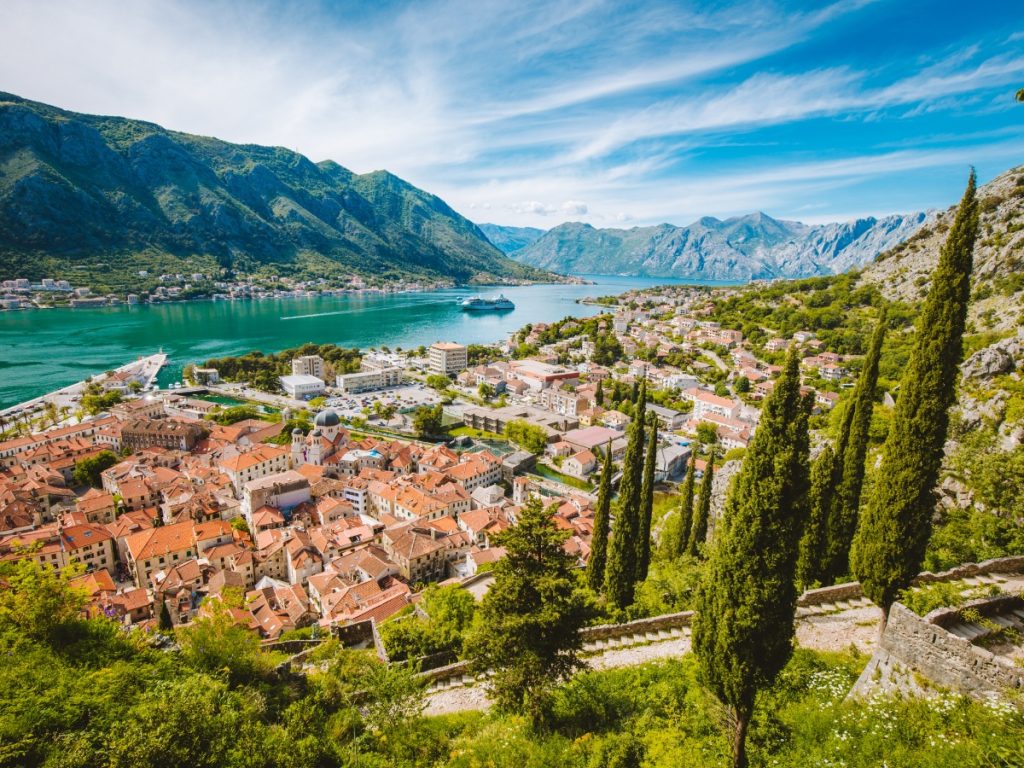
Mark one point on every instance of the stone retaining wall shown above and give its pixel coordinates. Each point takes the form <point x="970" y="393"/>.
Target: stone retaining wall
<point x="853" y="591"/>
<point x="967" y="570"/>
<point x="924" y="645"/>
<point x="639" y="626"/>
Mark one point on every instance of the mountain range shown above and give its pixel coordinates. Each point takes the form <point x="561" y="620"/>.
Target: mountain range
<point x="749" y="247"/>
<point x="85" y="195"/>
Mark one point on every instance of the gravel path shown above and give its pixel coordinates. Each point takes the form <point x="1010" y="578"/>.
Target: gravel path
<point x="826" y="632"/>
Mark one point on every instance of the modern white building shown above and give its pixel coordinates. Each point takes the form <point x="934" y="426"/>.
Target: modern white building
<point x="374" y="375"/>
<point x="308" y="365"/>
<point x="302" y="387"/>
<point x="447" y="357"/>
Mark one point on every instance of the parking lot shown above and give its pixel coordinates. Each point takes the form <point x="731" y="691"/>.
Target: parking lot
<point x="406" y="397"/>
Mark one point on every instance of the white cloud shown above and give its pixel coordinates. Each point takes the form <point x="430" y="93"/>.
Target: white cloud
<point x="535" y="207"/>
<point x="512" y="108"/>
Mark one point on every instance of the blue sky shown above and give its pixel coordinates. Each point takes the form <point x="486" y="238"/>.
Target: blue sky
<point x="533" y="113"/>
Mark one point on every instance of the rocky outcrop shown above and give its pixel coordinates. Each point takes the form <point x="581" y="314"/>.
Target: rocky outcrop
<point x="995" y="360"/>
<point x="904" y="272"/>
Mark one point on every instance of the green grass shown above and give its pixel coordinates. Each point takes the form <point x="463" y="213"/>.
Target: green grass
<point x="657" y="716"/>
<point x="466" y="431"/>
<point x="551" y="474"/>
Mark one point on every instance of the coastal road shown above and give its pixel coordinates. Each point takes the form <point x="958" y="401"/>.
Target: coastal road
<point x="146" y="367"/>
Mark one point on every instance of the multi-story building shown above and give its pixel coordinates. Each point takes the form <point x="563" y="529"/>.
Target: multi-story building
<point x="374" y="375"/>
<point x="308" y="365"/>
<point x="164" y="433"/>
<point x="252" y="465"/>
<point x="447" y="358"/>
<point x="158" y="549"/>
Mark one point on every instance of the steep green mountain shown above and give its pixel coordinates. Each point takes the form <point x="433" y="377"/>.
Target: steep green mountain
<point x="508" y="240"/>
<point x="108" y="196"/>
<point x="755" y="246"/>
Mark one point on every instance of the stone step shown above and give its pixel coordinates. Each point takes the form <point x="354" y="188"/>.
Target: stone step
<point x="1004" y="621"/>
<point x="960" y="630"/>
<point x="1019" y="613"/>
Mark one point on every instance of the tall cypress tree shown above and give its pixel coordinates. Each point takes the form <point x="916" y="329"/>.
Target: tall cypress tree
<point x="620" y="573"/>
<point x="686" y="507"/>
<point x="702" y="512"/>
<point x="743" y="627"/>
<point x="893" y="531"/>
<point x="812" y="563"/>
<point x="599" y="539"/>
<point x="842" y="524"/>
<point x="643" y="539"/>
<point x="165" y="623"/>
<point x="599" y="393"/>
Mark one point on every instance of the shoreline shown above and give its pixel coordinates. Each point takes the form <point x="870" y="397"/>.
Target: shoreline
<point x="28" y="407"/>
<point x="573" y="308"/>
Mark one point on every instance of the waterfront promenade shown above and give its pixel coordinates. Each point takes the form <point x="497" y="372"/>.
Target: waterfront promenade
<point x="145" y="368"/>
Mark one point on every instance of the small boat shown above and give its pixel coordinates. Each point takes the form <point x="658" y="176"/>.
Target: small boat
<point x="477" y="304"/>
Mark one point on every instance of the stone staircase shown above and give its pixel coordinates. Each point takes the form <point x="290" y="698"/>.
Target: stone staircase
<point x="972" y="631"/>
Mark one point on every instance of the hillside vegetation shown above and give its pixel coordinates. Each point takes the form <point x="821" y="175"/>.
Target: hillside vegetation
<point x="96" y="199"/>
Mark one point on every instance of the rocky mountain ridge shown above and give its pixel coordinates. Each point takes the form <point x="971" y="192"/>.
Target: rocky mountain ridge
<point x="752" y="247"/>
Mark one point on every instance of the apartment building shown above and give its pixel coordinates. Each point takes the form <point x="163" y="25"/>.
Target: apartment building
<point x="447" y="358"/>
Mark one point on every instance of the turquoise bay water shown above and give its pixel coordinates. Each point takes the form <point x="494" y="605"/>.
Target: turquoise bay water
<point x="43" y="350"/>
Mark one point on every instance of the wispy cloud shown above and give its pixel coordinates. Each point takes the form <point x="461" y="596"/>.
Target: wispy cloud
<point x="649" y="111"/>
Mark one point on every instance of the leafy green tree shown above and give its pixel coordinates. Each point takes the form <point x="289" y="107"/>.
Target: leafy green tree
<point x="643" y="539"/>
<point x="449" y="612"/>
<point x="37" y="599"/>
<point x="87" y="471"/>
<point x="621" y="571"/>
<point x="195" y="720"/>
<point x="529" y="437"/>
<point x="527" y="627"/>
<point x="215" y="642"/>
<point x="894" y="528"/>
<point x="702" y="511"/>
<point x="599" y="539"/>
<point x="742" y="384"/>
<point x="842" y="523"/>
<point x="427" y="420"/>
<point x="485" y="390"/>
<point x="707" y="433"/>
<point x="438" y="381"/>
<point x="743" y="628"/>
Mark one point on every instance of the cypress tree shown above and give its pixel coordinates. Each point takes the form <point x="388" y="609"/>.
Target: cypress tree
<point x="701" y="514"/>
<point x="743" y="627"/>
<point x="812" y="563"/>
<point x="686" y="507"/>
<point x="842" y="524"/>
<point x="620" y="573"/>
<point x="599" y="394"/>
<point x="599" y="540"/>
<point x="893" y="531"/>
<point x="165" y="625"/>
<point x="643" y="540"/>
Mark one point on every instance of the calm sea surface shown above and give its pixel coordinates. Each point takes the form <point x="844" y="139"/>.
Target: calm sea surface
<point x="43" y="350"/>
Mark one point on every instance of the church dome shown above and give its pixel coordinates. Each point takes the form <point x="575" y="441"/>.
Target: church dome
<point x="327" y="418"/>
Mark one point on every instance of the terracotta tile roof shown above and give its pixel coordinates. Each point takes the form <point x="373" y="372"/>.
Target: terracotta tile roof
<point x="162" y="540"/>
